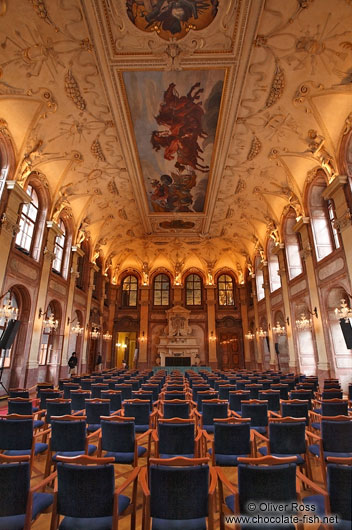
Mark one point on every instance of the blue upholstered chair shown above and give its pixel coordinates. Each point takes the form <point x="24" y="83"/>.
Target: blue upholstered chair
<point x="178" y="493"/>
<point x="335" y="440"/>
<point x="86" y="384"/>
<point x="24" y="407"/>
<point x="78" y="400"/>
<point x="295" y="408"/>
<point x="18" y="392"/>
<point x="267" y="479"/>
<point x="203" y="395"/>
<point x="20" y="504"/>
<point x="57" y="407"/>
<point x="272" y="397"/>
<point x="176" y="408"/>
<point x="139" y="409"/>
<point x="257" y="411"/>
<point x="125" y="389"/>
<point x="95" y="408"/>
<point x="176" y="437"/>
<point x="68" y="387"/>
<point x="212" y="408"/>
<point x="48" y="394"/>
<point x="118" y="440"/>
<point x="236" y="397"/>
<point x="330" y="408"/>
<point x="337" y="499"/>
<point x="97" y="389"/>
<point x="85" y="495"/>
<point x="231" y="439"/>
<point x="115" y="399"/>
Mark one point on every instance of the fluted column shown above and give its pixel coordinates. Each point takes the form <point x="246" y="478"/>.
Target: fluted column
<point x="210" y="290"/>
<point x="10" y="222"/>
<point x="273" y="359"/>
<point x="323" y="363"/>
<point x="343" y="223"/>
<point x="41" y="305"/>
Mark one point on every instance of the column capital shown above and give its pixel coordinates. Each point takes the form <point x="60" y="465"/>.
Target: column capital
<point x="77" y="250"/>
<point x="334" y="186"/>
<point x="16" y="189"/>
<point x="302" y="222"/>
<point x="54" y="227"/>
<point x="9" y="224"/>
<point x="344" y="221"/>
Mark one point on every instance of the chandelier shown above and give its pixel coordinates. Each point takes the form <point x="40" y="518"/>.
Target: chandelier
<point x="95" y="333"/>
<point x="107" y="336"/>
<point x="343" y="311"/>
<point x="50" y="322"/>
<point x="76" y="329"/>
<point x="262" y="333"/>
<point x="278" y="329"/>
<point x="250" y="335"/>
<point x="8" y="312"/>
<point x="303" y="323"/>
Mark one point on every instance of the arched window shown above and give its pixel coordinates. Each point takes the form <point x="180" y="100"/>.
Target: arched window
<point x="273" y="267"/>
<point x="59" y="248"/>
<point x="225" y="290"/>
<point x="320" y="221"/>
<point x="5" y="355"/>
<point x="259" y="280"/>
<point x="29" y="214"/>
<point x="162" y="290"/>
<point x="129" y="291"/>
<point x="292" y="248"/>
<point x="46" y="347"/>
<point x="332" y="217"/>
<point x="193" y="290"/>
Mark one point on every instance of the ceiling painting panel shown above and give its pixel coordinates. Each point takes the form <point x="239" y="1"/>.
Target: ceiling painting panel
<point x="175" y="116"/>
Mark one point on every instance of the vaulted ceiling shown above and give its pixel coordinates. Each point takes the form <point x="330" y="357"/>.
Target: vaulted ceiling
<point x="176" y="134"/>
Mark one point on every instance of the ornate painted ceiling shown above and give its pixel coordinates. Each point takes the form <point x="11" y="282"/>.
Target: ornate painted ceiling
<point x="176" y="133"/>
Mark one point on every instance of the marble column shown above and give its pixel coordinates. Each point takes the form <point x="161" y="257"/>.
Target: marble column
<point x="266" y="284"/>
<point x="244" y="317"/>
<point x="257" y="349"/>
<point x="323" y="367"/>
<point x="86" y="331"/>
<point x="41" y="305"/>
<point x="10" y="222"/>
<point x="212" y="342"/>
<point x="143" y="328"/>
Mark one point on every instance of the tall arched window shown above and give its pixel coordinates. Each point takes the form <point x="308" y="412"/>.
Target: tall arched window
<point x="259" y="280"/>
<point x="129" y="291"/>
<point x="273" y="267"/>
<point x="292" y="248"/>
<point x="332" y="217"/>
<point x="320" y="221"/>
<point x="193" y="290"/>
<point x="161" y="290"/>
<point x="29" y="214"/>
<point x="5" y="355"/>
<point x="225" y="290"/>
<point x="46" y="346"/>
<point x="59" y="248"/>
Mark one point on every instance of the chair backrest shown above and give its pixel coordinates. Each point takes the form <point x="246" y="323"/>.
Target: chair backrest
<point x="14" y="487"/>
<point x="97" y="389"/>
<point x="202" y="395"/>
<point x="295" y="408"/>
<point x="176" y="438"/>
<point x="287" y="437"/>
<point x="126" y="390"/>
<point x="232" y="438"/>
<point x="68" y="387"/>
<point x="117" y="436"/>
<point x="57" y="407"/>
<point x="78" y="398"/>
<point x="235" y="399"/>
<point x="282" y="388"/>
<point x="86" y="384"/>
<point x="152" y="388"/>
<point x="272" y="397"/>
<point x="176" y="410"/>
<point x="174" y="395"/>
<point x="18" y="392"/>
<point x="340" y="488"/>
<point x="79" y="483"/>
<point x="44" y="386"/>
<point x="301" y="394"/>
<point x="213" y="410"/>
<point x="274" y="483"/>
<point x="332" y="393"/>
<point x="68" y="435"/>
<point x="20" y="405"/>
<point x="224" y="391"/>
<point x="334" y="408"/>
<point x="16" y="434"/>
<point x="337" y="435"/>
<point x="95" y="409"/>
<point x="178" y="492"/>
<point x="48" y="394"/>
<point x="258" y="412"/>
<point x="115" y="399"/>
<point x="139" y="411"/>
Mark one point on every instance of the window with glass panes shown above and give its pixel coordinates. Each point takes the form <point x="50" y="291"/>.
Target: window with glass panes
<point x="5" y="355"/>
<point x="161" y="290"/>
<point x="28" y="219"/>
<point x="47" y="341"/>
<point x="225" y="290"/>
<point x="332" y="217"/>
<point x="193" y="290"/>
<point x="59" y="248"/>
<point x="129" y="291"/>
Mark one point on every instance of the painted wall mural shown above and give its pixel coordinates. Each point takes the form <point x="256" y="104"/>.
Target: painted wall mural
<point x="171" y="18"/>
<point x="175" y="121"/>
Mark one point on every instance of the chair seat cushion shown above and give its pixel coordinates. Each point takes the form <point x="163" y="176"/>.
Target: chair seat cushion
<point x="125" y="458"/>
<point x="184" y="524"/>
<point x="39" y="448"/>
<point x="93" y="427"/>
<point x="38" y="423"/>
<point x="41" y="501"/>
<point x="226" y="460"/>
<point x="317" y="411"/>
<point x="316" y="425"/>
<point x="209" y="428"/>
<point x="165" y="455"/>
<point x="71" y="454"/>
<point x="141" y="428"/>
<point x="260" y="429"/>
<point x="315" y="450"/>
<point x="93" y="523"/>
<point x="264" y="451"/>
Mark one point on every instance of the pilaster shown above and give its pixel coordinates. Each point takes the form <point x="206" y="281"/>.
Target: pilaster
<point x="210" y="290"/>
<point x="93" y="269"/>
<point x="244" y="317"/>
<point x="257" y="350"/>
<point x="143" y="327"/>
<point x="273" y="359"/>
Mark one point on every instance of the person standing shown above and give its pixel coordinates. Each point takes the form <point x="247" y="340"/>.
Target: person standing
<point x="99" y="362"/>
<point x="72" y="364"/>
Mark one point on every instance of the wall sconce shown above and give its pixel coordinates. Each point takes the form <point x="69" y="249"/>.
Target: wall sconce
<point x="107" y="336"/>
<point x="278" y="329"/>
<point x="48" y="322"/>
<point x="343" y="311"/>
<point x="262" y="333"/>
<point x="95" y="333"/>
<point x="142" y="338"/>
<point x="212" y="337"/>
<point x="6" y="310"/>
<point x="249" y="336"/>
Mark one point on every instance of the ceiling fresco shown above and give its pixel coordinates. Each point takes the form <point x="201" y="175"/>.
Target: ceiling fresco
<point x="176" y="134"/>
<point x="174" y="116"/>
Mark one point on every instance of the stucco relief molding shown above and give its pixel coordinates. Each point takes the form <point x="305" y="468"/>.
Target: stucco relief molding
<point x="10" y="226"/>
<point x="344" y="221"/>
<point x="49" y="255"/>
<point x="306" y="252"/>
